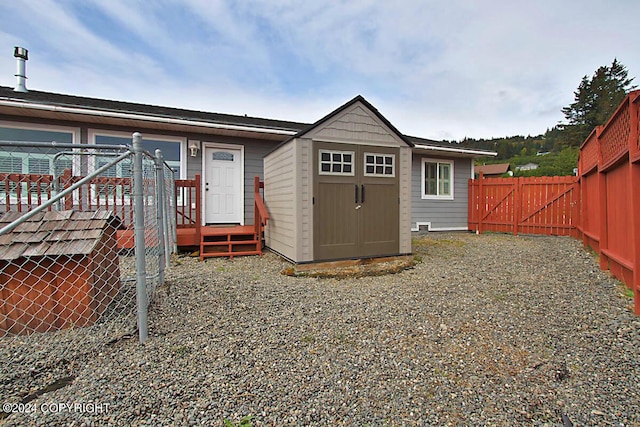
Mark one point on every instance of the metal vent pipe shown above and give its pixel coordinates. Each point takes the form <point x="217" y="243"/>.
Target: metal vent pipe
<point x="21" y="54"/>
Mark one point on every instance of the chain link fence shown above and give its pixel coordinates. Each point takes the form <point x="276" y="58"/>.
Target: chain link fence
<point x="85" y="235"/>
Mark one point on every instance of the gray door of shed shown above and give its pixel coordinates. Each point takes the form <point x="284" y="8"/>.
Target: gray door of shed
<point x="356" y="201"/>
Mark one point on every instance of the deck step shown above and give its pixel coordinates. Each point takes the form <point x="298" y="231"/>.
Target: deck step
<point x="229" y="242"/>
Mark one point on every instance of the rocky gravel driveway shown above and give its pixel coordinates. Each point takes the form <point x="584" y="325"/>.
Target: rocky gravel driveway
<point x="485" y="330"/>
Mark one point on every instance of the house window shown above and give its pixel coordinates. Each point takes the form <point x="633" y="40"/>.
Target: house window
<point x="171" y="151"/>
<point x="33" y="160"/>
<point x="9" y="164"/>
<point x="223" y="156"/>
<point x="437" y="179"/>
<point x="333" y="162"/>
<point x="379" y="164"/>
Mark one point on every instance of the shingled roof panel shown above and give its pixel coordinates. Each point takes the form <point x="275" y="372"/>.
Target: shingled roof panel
<point x="55" y="233"/>
<point x="145" y="109"/>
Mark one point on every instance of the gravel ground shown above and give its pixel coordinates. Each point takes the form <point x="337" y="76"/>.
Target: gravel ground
<point x="486" y="330"/>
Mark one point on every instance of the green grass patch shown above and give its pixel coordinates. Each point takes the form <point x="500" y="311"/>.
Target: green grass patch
<point x="246" y="421"/>
<point x="627" y="293"/>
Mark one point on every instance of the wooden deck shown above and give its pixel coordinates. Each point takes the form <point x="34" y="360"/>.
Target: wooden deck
<point x="212" y="241"/>
<point x="229" y="241"/>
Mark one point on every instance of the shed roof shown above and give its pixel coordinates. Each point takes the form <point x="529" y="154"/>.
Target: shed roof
<point x="54" y="233"/>
<point x="495" y="169"/>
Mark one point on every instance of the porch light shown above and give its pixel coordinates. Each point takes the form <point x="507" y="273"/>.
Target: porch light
<point x="194" y="146"/>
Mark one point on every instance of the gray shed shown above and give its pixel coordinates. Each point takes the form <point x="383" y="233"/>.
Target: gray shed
<point x="340" y="189"/>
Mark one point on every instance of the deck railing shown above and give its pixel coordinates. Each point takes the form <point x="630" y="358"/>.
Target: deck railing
<point x="23" y="192"/>
<point x="188" y="209"/>
<point x="261" y="216"/>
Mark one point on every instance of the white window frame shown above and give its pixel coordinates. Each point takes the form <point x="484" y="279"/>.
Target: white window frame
<point x="93" y="133"/>
<point x="331" y="153"/>
<point x="384" y="165"/>
<point x="75" y="139"/>
<point x="451" y="179"/>
<point x="168" y="138"/>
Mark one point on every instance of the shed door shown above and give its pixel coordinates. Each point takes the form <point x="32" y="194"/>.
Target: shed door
<point x="356" y="205"/>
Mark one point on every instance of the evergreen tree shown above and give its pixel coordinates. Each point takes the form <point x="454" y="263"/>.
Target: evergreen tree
<point x="594" y="101"/>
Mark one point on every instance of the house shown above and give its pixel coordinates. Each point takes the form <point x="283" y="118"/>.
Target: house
<point x="58" y="269"/>
<point x="495" y="170"/>
<point x="227" y="151"/>
<point x="527" y="167"/>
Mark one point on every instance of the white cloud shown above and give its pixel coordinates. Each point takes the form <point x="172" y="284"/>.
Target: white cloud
<point x="436" y="69"/>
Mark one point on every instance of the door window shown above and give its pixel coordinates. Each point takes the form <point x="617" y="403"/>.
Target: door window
<point x="382" y="165"/>
<point x="334" y="162"/>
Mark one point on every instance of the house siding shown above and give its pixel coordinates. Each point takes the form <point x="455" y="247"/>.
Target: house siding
<point x="254" y="149"/>
<point x="441" y="214"/>
<point x="280" y="193"/>
<point x="254" y="152"/>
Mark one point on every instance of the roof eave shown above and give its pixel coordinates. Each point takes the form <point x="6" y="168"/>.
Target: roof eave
<point x="84" y="111"/>
<point x="464" y="151"/>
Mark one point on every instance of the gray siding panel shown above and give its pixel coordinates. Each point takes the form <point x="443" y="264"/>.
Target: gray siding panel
<point x="254" y="152"/>
<point x="280" y="195"/>
<point x="441" y="213"/>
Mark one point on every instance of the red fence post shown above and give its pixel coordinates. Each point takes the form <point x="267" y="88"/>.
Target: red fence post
<point x="198" y="197"/>
<point x="602" y="204"/>
<point x="481" y="201"/>
<point x="517" y="202"/>
<point x="66" y="182"/>
<point x="470" y="208"/>
<point x="634" y="189"/>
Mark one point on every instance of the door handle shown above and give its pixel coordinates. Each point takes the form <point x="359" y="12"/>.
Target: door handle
<point x="362" y="193"/>
<point x="356" y="201"/>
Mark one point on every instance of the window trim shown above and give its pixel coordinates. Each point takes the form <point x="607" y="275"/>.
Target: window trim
<point x="379" y="175"/>
<point x="341" y="152"/>
<point x="92" y="133"/>
<point x="424" y="162"/>
<point x="74" y="131"/>
<point x="75" y="139"/>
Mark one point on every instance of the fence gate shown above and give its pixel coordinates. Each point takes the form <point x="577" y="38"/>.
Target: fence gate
<point x="532" y="205"/>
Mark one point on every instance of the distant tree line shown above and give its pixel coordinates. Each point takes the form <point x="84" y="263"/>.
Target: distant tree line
<point x="595" y="100"/>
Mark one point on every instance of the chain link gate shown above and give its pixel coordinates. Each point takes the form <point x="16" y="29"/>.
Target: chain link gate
<point x="84" y="241"/>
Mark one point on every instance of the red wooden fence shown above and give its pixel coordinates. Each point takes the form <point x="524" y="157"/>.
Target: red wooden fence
<point x="609" y="169"/>
<point x="601" y="206"/>
<point x="534" y="205"/>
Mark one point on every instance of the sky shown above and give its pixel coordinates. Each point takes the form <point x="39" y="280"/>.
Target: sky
<point x="441" y="70"/>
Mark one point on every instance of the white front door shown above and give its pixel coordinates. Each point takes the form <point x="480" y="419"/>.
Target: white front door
<point x="223" y="186"/>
